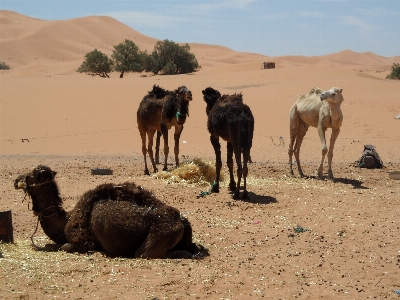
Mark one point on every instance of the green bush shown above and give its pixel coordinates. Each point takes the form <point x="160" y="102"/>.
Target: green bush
<point x="96" y="63"/>
<point x="170" y="58"/>
<point x="395" y="73"/>
<point x="4" y="66"/>
<point x="126" y="57"/>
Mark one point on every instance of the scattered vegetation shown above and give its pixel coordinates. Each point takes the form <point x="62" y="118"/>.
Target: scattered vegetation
<point x="4" y="66"/>
<point x="395" y="73"/>
<point x="96" y="63"/>
<point x="127" y="58"/>
<point x="167" y="58"/>
<point x="170" y="58"/>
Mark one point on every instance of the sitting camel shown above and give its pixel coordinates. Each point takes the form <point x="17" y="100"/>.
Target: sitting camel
<point x="159" y="111"/>
<point x="318" y="109"/>
<point x="233" y="121"/>
<point x="120" y="220"/>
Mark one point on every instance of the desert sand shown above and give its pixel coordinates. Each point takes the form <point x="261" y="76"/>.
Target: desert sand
<point x="52" y="115"/>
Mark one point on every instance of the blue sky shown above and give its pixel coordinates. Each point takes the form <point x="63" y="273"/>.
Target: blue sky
<point x="269" y="27"/>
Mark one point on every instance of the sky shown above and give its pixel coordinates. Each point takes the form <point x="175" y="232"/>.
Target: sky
<point x="268" y="27"/>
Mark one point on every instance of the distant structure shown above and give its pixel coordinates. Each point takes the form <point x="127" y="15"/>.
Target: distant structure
<point x="268" y="65"/>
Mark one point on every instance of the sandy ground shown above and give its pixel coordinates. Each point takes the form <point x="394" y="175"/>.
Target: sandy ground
<point x="51" y="115"/>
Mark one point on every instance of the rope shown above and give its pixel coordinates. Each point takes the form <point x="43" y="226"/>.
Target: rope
<point x="209" y="192"/>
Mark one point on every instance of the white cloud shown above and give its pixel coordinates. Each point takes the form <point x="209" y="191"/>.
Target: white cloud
<point x="379" y="12"/>
<point x="148" y="19"/>
<point x="356" y="22"/>
<point x="316" y="14"/>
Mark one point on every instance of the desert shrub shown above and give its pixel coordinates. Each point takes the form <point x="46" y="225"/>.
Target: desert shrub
<point x="395" y="73"/>
<point x="126" y="57"/>
<point x="4" y="66"/>
<point x="170" y="58"/>
<point x="96" y="63"/>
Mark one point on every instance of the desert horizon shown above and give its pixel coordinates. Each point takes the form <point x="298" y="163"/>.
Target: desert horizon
<point x="52" y="115"/>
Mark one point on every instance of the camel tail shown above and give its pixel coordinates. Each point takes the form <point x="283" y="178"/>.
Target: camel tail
<point x="247" y="129"/>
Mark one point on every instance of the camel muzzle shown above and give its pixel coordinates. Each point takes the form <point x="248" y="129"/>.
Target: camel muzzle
<point x="20" y="183"/>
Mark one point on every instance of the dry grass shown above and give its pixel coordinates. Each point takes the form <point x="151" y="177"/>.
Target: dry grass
<point x="196" y="172"/>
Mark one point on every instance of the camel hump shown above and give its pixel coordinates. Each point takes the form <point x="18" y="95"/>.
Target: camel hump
<point x="316" y="90"/>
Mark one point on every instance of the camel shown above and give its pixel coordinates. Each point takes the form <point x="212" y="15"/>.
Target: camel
<point x="320" y="109"/>
<point x="159" y="111"/>
<point x="233" y="121"/>
<point x="121" y="220"/>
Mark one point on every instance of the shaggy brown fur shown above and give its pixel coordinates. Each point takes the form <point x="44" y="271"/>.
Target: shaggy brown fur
<point x="233" y="121"/>
<point x="121" y="220"/>
<point x="159" y="111"/>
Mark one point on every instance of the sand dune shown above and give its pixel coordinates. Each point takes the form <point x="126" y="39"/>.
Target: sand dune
<point x="58" y="47"/>
<point x="63" y="112"/>
<point x="50" y="114"/>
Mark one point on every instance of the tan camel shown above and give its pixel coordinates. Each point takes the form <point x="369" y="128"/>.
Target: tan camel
<point x="321" y="110"/>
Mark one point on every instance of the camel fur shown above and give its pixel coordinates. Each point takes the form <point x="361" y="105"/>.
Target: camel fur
<point x="320" y="109"/>
<point x="159" y="111"/>
<point x="120" y="220"/>
<point x="233" y="121"/>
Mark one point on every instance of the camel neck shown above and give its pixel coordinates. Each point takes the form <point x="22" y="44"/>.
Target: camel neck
<point x="336" y="112"/>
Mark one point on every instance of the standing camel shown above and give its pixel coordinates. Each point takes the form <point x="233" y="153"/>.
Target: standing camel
<point x="159" y="111"/>
<point x="317" y="109"/>
<point x="232" y="120"/>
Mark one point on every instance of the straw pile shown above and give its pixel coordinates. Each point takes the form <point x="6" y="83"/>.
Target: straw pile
<point x="196" y="172"/>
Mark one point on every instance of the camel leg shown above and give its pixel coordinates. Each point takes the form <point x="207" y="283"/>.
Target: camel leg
<point x="246" y="158"/>
<point x="335" y="134"/>
<point x="294" y="129"/>
<point x="238" y="157"/>
<point x="158" y="243"/>
<point x="150" y="135"/>
<point x="321" y="133"/>
<point x="303" y="128"/>
<point x="144" y="151"/>
<point x="158" y="138"/>
<point x="218" y="162"/>
<point x="164" y="131"/>
<point x="177" y="136"/>
<point x="229" y="159"/>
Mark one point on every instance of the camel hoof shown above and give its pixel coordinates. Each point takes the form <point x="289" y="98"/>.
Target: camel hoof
<point x="146" y="172"/>
<point x="330" y="176"/>
<point x="215" y="188"/>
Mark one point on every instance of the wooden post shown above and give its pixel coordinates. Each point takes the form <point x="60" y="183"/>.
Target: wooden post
<point x="6" y="228"/>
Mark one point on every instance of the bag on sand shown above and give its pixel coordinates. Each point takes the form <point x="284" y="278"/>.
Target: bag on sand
<point x="370" y="158"/>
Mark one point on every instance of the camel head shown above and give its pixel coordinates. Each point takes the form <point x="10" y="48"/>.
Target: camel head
<point x="35" y="183"/>
<point x="184" y="95"/>
<point x="210" y="96"/>
<point x="332" y="96"/>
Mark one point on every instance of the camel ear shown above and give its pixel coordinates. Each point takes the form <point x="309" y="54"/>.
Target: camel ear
<point x="203" y="92"/>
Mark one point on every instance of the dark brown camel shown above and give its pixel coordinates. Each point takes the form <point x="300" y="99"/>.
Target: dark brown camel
<point x="232" y="120"/>
<point x="159" y="111"/>
<point x="120" y="220"/>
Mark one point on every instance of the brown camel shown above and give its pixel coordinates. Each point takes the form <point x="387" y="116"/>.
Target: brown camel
<point x="159" y="111"/>
<point x="318" y="109"/>
<point x="120" y="220"/>
<point x="233" y="121"/>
